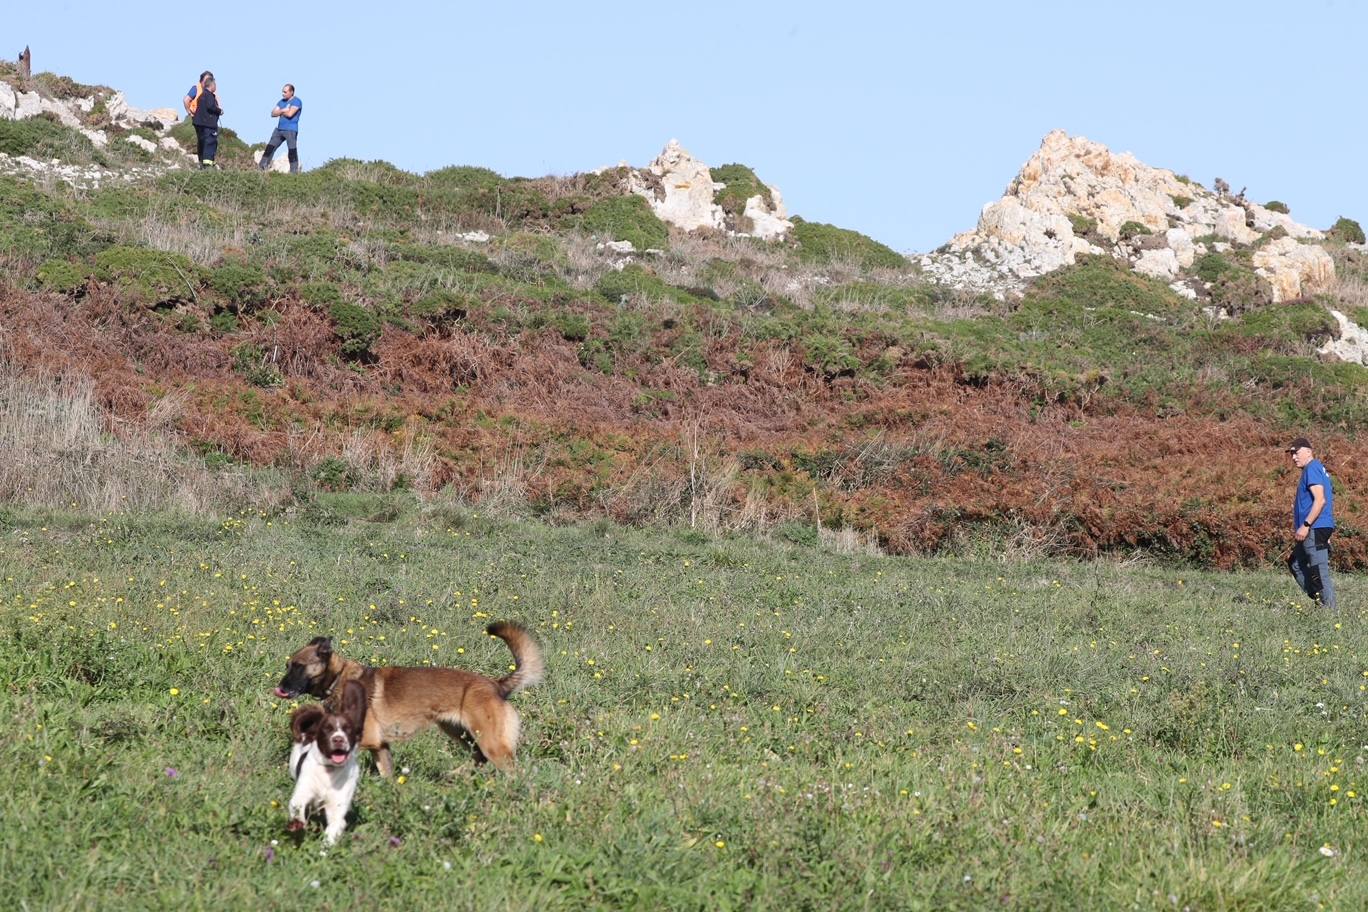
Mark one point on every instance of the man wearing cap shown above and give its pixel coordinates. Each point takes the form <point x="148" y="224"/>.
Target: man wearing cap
<point x="1314" y="522"/>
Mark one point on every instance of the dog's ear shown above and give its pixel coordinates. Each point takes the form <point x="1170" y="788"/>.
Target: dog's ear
<point x="322" y="646"/>
<point x="304" y="722"/>
<point x="354" y="703"/>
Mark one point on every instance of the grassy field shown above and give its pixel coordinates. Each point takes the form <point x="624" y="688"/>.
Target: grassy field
<point x="725" y="724"/>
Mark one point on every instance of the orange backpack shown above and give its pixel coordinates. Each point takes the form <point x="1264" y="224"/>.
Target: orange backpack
<point x="195" y="99"/>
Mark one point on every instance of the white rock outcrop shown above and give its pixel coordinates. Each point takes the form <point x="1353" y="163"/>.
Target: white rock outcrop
<point x="1072" y="185"/>
<point x="280" y="162"/>
<point x="1293" y="269"/>
<point x="1351" y="346"/>
<point x="682" y="192"/>
<point x="680" y="189"/>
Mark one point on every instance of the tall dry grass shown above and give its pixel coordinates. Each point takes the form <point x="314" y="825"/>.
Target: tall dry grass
<point x="60" y="450"/>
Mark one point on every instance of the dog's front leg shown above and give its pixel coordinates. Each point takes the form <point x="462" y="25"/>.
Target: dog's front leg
<point x="336" y="813"/>
<point x="299" y="807"/>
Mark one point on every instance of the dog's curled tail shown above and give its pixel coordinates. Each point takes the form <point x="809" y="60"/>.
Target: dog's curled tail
<point x="527" y="656"/>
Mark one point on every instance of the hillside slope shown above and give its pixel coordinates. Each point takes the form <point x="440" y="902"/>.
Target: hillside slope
<point x="361" y="327"/>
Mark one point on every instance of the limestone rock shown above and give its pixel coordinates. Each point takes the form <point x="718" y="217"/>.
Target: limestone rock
<point x="146" y="145"/>
<point x="8" y="101"/>
<point x="679" y="189"/>
<point x="1351" y="346"/>
<point x="280" y="162"/>
<point x="28" y="104"/>
<point x="1180" y="242"/>
<point x="767" y="221"/>
<point x="1161" y="263"/>
<point x="1295" y="270"/>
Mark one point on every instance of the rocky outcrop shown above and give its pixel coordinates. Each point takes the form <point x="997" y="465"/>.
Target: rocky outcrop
<point x="99" y="117"/>
<point x="680" y="189"/>
<point x="1352" y="344"/>
<point x="681" y="192"/>
<point x="1075" y="196"/>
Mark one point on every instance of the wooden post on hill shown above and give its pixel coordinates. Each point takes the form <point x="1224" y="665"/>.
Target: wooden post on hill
<point x="25" y="65"/>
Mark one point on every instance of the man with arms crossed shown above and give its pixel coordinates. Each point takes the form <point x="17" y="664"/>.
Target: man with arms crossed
<point x="286" y="131"/>
<point x="1314" y="520"/>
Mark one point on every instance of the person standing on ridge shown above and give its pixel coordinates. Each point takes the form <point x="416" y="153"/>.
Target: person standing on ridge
<point x="207" y="114"/>
<point x="1313" y="520"/>
<point x="189" y="101"/>
<point x="288" y="110"/>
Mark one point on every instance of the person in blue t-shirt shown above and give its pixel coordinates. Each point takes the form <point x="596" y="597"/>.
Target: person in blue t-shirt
<point x="1313" y="521"/>
<point x="287" y="129"/>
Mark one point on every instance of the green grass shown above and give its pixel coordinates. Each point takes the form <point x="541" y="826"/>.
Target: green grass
<point x="726" y="724"/>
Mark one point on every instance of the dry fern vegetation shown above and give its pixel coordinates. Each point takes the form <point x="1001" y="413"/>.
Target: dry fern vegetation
<point x="342" y="318"/>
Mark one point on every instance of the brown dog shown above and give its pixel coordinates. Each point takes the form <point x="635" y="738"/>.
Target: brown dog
<point x="404" y="701"/>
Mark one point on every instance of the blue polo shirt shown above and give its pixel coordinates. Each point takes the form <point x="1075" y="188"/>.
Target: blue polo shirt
<point x="290" y="123"/>
<point x="1313" y="474"/>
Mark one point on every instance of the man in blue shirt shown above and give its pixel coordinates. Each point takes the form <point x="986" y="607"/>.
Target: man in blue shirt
<point x="287" y="129"/>
<point x="1313" y="520"/>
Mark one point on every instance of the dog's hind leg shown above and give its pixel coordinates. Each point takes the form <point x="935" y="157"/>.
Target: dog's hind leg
<point x="458" y="732"/>
<point x="496" y="734"/>
<point x="384" y="761"/>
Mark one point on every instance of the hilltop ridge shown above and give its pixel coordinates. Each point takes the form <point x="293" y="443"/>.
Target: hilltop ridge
<point x="599" y="345"/>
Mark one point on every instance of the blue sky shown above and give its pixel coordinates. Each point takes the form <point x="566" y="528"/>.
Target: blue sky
<point x="898" y="120"/>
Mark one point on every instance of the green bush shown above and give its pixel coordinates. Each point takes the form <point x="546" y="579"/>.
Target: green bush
<point x="573" y="327"/>
<point x="251" y="362"/>
<point x="1082" y="224"/>
<point x="65" y="87"/>
<point x="146" y="277"/>
<point x="821" y="243"/>
<point x="464" y="177"/>
<point x="333" y="474"/>
<point x="626" y="218"/>
<point x="448" y="257"/>
<point x="35" y="227"/>
<point x="1182" y="202"/>
<point x="741" y="184"/>
<point x="1347" y="230"/>
<point x="224" y="322"/>
<point x="61" y="276"/>
<point x="1132" y="230"/>
<point x="631" y="280"/>
<point x="243" y="287"/>
<point x="444" y="307"/>
<point x="1277" y="206"/>
<point x="1211" y="266"/>
<point x="42" y="138"/>
<point x="356" y="326"/>
<point x="594" y="355"/>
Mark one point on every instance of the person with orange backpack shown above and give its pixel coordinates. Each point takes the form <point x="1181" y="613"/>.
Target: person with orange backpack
<point x="206" y="118"/>
<point x="190" y="101"/>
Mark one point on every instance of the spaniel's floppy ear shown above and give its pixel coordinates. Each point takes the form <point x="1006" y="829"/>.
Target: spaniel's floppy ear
<point x="304" y="722"/>
<point x="354" y="703"/>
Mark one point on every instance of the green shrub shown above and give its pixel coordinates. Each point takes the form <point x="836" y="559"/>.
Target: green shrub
<point x="243" y="287"/>
<point x="594" y="355"/>
<point x="573" y="327"/>
<point x="1346" y="230"/>
<point x="1240" y="291"/>
<point x="320" y="294"/>
<point x="356" y="326"/>
<point x="1082" y="225"/>
<point x="821" y="243"/>
<point x="35" y="227"/>
<point x="1132" y="230"/>
<point x="464" y="177"/>
<point x="333" y="474"/>
<point x="61" y="276"/>
<point x="1277" y="206"/>
<point x="251" y="362"/>
<point x="1182" y="202"/>
<point x="631" y="280"/>
<point x="65" y="87"/>
<point x="448" y="257"/>
<point x="225" y="322"/>
<point x="42" y="138"/>
<point x="741" y="184"/>
<point x="146" y="277"/>
<point x="626" y="218"/>
<point x="444" y="307"/>
<point x="1210" y="267"/>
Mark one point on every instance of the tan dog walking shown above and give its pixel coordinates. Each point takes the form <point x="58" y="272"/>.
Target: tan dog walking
<point x="404" y="701"/>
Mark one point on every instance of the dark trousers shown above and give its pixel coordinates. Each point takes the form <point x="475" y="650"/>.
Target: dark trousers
<point x="206" y="143"/>
<point x="1310" y="566"/>
<point x="291" y="139"/>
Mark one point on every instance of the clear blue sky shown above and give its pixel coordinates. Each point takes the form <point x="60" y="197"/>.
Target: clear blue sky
<point x="898" y="120"/>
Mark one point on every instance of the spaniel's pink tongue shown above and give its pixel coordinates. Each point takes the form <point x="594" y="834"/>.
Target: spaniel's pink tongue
<point x="337" y="757"/>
